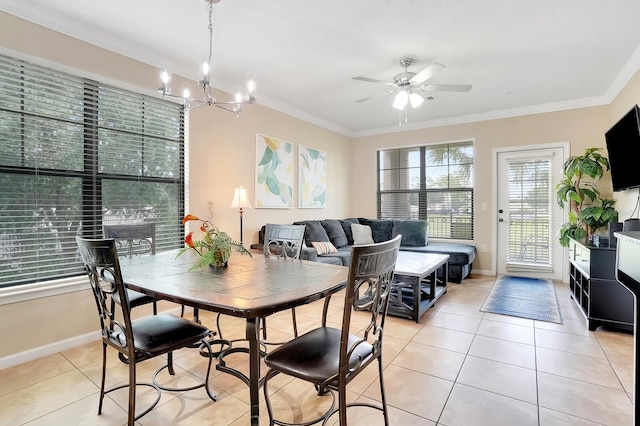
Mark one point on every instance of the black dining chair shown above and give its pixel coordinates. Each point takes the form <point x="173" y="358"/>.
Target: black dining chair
<point x="139" y="340"/>
<point x="129" y="236"/>
<point x="283" y="242"/>
<point x="329" y="357"/>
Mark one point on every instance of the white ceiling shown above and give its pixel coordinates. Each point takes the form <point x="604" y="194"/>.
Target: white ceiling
<point x="521" y="56"/>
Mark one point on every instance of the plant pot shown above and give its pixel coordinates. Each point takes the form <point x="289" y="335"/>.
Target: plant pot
<point x="221" y="258"/>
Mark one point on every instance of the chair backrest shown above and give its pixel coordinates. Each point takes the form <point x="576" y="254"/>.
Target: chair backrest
<point x="132" y="238"/>
<point x="100" y="258"/>
<point x="283" y="241"/>
<point x="368" y="288"/>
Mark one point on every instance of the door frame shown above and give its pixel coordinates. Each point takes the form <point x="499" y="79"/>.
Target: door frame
<point x="566" y="151"/>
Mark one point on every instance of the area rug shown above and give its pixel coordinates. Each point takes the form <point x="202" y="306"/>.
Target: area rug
<point x="530" y="298"/>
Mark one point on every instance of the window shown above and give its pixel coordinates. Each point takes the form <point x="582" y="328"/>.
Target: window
<point x="74" y="154"/>
<point x="432" y="182"/>
<point x="530" y="222"/>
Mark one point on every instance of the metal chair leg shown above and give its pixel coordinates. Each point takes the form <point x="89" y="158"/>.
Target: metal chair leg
<point x="104" y="371"/>
<point x="132" y="394"/>
<point x="295" y="323"/>
<point x="170" y="364"/>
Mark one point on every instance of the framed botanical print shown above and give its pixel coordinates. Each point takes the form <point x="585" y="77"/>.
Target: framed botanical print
<point x="274" y="173"/>
<point x="312" y="178"/>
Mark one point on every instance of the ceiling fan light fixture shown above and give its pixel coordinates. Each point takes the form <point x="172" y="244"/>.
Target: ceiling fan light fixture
<point x="416" y="100"/>
<point x="400" y="102"/>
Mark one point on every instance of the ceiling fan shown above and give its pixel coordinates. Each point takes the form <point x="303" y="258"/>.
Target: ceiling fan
<point x="407" y="84"/>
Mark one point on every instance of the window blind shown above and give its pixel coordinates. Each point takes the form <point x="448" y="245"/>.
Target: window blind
<point x="74" y="154"/>
<point x="530" y="229"/>
<point x="432" y="182"/>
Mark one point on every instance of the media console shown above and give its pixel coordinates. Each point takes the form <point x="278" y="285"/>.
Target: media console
<point x="593" y="285"/>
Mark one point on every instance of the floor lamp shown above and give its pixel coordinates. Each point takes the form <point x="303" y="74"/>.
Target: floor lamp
<point x="240" y="200"/>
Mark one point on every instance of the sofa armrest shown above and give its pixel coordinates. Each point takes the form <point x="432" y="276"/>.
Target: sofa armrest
<point x="308" y="253"/>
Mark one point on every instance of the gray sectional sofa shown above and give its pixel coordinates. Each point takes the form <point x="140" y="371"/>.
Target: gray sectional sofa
<point x="414" y="238"/>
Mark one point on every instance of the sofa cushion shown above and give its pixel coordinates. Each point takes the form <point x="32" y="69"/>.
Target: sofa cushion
<point x="381" y="230"/>
<point x="324" y="247"/>
<point x="361" y="234"/>
<point x="414" y="232"/>
<point x="459" y="254"/>
<point x="335" y="232"/>
<point x="346" y="226"/>
<point x="331" y="260"/>
<point x="343" y="253"/>
<point x="313" y="231"/>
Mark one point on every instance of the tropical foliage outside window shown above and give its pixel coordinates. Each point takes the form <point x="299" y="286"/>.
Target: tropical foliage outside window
<point x="431" y="182"/>
<point x="74" y="154"/>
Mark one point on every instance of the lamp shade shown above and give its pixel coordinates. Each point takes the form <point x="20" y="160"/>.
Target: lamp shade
<point x="401" y="100"/>
<point x="416" y="100"/>
<point x="240" y="198"/>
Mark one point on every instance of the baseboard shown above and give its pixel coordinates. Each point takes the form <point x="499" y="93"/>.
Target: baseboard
<point x="52" y="348"/>
<point x="481" y="272"/>
<point x="55" y="347"/>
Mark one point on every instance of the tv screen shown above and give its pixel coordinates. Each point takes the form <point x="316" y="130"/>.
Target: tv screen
<point x="623" y="146"/>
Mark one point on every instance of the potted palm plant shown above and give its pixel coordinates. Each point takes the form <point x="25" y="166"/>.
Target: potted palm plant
<point x="589" y="211"/>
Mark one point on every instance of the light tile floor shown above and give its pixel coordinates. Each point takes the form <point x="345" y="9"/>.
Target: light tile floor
<point x="458" y="366"/>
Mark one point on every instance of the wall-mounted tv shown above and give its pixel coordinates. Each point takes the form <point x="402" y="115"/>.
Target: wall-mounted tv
<point x="623" y="146"/>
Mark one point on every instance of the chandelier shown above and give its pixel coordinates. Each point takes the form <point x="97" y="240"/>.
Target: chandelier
<point x="235" y="105"/>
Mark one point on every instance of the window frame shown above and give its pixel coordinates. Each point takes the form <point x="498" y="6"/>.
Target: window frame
<point x="91" y="207"/>
<point x="423" y="192"/>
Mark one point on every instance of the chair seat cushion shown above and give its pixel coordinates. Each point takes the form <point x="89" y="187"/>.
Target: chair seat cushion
<point x="315" y="356"/>
<point x="158" y="334"/>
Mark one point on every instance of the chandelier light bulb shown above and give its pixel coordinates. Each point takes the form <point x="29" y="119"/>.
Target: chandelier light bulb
<point x="186" y="93"/>
<point x="233" y="105"/>
<point x="205" y="70"/>
<point x="251" y="85"/>
<point x="165" y="77"/>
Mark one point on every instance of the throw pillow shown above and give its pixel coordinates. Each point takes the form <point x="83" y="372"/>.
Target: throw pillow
<point x="324" y="247"/>
<point x="381" y="229"/>
<point x="313" y="231"/>
<point x="361" y="234"/>
<point x="414" y="232"/>
<point x="335" y="232"/>
<point x="346" y="226"/>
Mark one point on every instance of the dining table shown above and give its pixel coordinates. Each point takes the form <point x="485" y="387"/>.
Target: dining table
<point x="250" y="287"/>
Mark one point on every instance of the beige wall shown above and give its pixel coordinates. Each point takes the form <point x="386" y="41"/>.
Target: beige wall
<point x="581" y="127"/>
<point x="626" y="99"/>
<point x="222" y="157"/>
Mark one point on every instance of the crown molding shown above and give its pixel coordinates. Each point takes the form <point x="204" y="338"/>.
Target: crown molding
<point x="486" y="116"/>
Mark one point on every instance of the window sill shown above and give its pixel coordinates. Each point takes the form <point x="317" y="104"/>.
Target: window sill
<point x="27" y="292"/>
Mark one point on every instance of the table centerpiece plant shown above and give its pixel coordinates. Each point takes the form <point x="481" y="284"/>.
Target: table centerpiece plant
<point x="214" y="248"/>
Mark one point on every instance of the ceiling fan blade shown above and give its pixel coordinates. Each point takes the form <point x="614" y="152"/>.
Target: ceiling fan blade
<point x="375" y="96"/>
<point x="427" y="73"/>
<point x="445" y="87"/>
<point x="373" y="80"/>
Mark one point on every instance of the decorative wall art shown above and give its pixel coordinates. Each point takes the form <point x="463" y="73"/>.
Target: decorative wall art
<point x="274" y="173"/>
<point x="312" y="178"/>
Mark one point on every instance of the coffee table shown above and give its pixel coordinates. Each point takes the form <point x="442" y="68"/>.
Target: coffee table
<point x="419" y="281"/>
